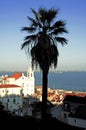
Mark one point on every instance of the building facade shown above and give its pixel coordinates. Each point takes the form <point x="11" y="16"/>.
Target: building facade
<point x="13" y="88"/>
<point x="10" y="97"/>
<point x="26" y="83"/>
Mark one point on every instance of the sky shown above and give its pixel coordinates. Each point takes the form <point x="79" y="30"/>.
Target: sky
<point x="13" y="16"/>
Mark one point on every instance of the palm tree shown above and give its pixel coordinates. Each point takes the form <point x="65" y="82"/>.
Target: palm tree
<point x="41" y="43"/>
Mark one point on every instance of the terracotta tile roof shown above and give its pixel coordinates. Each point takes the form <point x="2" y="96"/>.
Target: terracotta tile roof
<point x="8" y="86"/>
<point x="15" y="75"/>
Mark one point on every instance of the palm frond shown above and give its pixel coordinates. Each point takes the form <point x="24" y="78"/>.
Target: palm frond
<point x="54" y="55"/>
<point x="51" y="14"/>
<point x="29" y="29"/>
<point x="61" y="40"/>
<point x="42" y="14"/>
<point x="33" y="21"/>
<point x="59" y="23"/>
<point x="59" y="31"/>
<point x="31" y="37"/>
<point x="24" y="29"/>
<point x="25" y="44"/>
<point x="35" y="14"/>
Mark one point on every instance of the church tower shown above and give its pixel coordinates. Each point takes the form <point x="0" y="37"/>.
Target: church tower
<point x="31" y="80"/>
<point x="30" y="73"/>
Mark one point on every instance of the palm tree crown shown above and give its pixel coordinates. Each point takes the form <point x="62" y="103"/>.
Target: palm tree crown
<point x="43" y="37"/>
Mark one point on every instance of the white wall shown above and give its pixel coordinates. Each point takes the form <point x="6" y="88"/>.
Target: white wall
<point x="77" y="122"/>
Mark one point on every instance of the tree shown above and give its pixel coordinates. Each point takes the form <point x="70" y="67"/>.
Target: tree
<point x="41" y="42"/>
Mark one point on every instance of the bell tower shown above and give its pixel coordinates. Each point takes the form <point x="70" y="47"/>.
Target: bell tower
<point x="30" y="86"/>
<point x="30" y="73"/>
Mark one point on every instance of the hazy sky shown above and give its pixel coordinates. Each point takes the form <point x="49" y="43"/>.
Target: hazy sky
<point x="13" y="16"/>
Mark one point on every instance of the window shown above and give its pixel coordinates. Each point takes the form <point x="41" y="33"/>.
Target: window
<point x="7" y="91"/>
<point x="7" y="100"/>
<point x="14" y="100"/>
<point x="65" y="115"/>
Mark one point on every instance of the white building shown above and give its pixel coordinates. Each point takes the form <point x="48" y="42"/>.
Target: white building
<point x="10" y="97"/>
<point x="13" y="88"/>
<point x="26" y="83"/>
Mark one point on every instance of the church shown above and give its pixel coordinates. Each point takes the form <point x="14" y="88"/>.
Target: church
<point x="13" y="88"/>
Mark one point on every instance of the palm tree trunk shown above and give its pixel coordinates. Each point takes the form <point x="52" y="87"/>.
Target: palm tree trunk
<point x="44" y="93"/>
